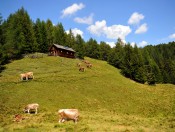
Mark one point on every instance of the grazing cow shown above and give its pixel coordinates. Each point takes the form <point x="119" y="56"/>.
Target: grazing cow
<point x="30" y="75"/>
<point x="89" y="65"/>
<point x="68" y="114"/>
<point x="86" y="62"/>
<point x="32" y="107"/>
<point x="24" y="76"/>
<point x="82" y="69"/>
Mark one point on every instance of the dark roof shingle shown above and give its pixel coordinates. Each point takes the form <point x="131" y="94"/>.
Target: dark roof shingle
<point x="64" y="47"/>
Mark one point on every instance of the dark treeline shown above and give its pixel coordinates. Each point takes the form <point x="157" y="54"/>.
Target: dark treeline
<point x="19" y="35"/>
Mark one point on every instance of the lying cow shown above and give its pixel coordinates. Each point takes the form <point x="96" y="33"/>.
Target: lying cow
<point x="18" y="118"/>
<point x="68" y="114"/>
<point x="32" y="107"/>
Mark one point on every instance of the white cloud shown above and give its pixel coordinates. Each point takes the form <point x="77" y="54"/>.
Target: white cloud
<point x="142" y="44"/>
<point x="85" y="20"/>
<point x="133" y="44"/>
<point x="142" y="29"/>
<point x="111" y="32"/>
<point x="75" y="32"/>
<point x="172" y="36"/>
<point x="135" y="18"/>
<point x="112" y="44"/>
<point x="72" y="9"/>
<point x="117" y="31"/>
<point x="98" y="29"/>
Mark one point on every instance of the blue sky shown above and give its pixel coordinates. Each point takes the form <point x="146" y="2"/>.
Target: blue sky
<point x="136" y="21"/>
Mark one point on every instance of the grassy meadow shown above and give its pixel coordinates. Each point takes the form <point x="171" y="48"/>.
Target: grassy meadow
<point x="107" y="101"/>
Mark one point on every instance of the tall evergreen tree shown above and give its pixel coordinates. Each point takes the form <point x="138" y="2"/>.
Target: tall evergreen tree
<point x="92" y="49"/>
<point x="104" y="50"/>
<point x="59" y="34"/>
<point x="38" y="35"/>
<point x="116" y="55"/>
<point x="70" y="39"/>
<point x="44" y="46"/>
<point x="20" y="37"/>
<point x="50" y="28"/>
<point x="79" y="46"/>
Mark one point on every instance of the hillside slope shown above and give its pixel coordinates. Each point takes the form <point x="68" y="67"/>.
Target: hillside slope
<point x="101" y="93"/>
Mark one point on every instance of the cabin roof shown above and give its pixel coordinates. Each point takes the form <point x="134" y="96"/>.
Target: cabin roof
<point x="63" y="47"/>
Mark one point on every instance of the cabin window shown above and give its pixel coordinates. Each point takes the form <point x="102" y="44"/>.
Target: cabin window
<point x="67" y="52"/>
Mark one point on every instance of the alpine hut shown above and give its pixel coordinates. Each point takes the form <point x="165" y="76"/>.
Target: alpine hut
<point x="63" y="51"/>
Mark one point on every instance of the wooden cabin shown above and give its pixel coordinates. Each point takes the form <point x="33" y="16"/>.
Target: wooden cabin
<point x="63" y="51"/>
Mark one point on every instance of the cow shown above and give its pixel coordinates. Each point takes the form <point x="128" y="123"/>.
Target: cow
<point x="86" y="62"/>
<point x="68" y="114"/>
<point x="30" y="75"/>
<point x="89" y="65"/>
<point x="78" y="64"/>
<point x="32" y="107"/>
<point x="82" y="69"/>
<point x="18" y="118"/>
<point x="24" y="76"/>
<point x="27" y="76"/>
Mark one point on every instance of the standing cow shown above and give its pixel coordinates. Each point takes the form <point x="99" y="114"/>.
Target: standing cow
<point x="32" y="107"/>
<point x="27" y="76"/>
<point x="68" y="114"/>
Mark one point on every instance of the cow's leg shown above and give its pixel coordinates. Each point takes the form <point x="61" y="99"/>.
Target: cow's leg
<point x="26" y="78"/>
<point x="28" y="111"/>
<point x="36" y="111"/>
<point x="63" y="120"/>
<point x="60" y="120"/>
<point x="75" y="120"/>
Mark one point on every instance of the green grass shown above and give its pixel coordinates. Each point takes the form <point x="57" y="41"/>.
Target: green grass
<point x="107" y="101"/>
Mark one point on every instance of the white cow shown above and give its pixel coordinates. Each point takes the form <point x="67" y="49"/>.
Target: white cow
<point x="68" y="114"/>
<point x="33" y="106"/>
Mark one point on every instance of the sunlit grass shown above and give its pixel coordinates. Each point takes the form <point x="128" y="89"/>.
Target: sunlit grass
<point x="107" y="101"/>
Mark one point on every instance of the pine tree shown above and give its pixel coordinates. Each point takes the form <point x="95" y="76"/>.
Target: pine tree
<point x="38" y="35"/>
<point x="70" y="39"/>
<point x="44" y="46"/>
<point x="50" y="28"/>
<point x="59" y="34"/>
<point x="79" y="47"/>
<point x="92" y="49"/>
<point x="116" y="55"/>
<point x="19" y="34"/>
<point x="104" y="50"/>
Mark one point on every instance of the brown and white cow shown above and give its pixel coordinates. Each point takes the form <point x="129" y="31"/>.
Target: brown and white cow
<point x="32" y="107"/>
<point x="18" y="118"/>
<point x="89" y="65"/>
<point x="82" y="69"/>
<point x="30" y="75"/>
<point x="26" y="76"/>
<point x="79" y="64"/>
<point x="68" y="114"/>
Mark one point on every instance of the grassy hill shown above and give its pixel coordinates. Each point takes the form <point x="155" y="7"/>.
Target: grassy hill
<point x="107" y="101"/>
